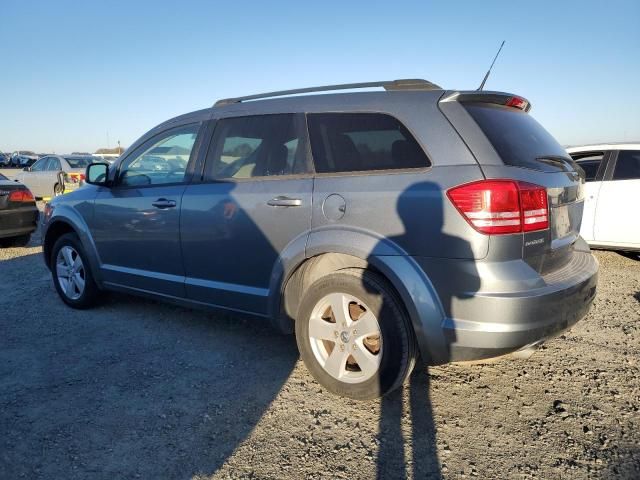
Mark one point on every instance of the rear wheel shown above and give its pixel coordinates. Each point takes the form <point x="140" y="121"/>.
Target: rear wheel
<point x="72" y="274"/>
<point x="354" y="336"/>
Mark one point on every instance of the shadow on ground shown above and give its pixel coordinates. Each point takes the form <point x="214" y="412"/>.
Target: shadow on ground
<point x="131" y="389"/>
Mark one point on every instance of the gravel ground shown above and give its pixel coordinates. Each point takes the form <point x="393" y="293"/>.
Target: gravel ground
<point x="137" y="389"/>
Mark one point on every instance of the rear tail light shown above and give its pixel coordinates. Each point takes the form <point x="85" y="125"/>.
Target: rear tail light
<point x="502" y="206"/>
<point x="21" y="196"/>
<point x="75" y="177"/>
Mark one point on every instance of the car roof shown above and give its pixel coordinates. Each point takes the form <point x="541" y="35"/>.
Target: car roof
<point x="604" y="146"/>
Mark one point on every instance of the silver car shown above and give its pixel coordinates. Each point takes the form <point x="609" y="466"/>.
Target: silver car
<point x="54" y="175"/>
<point x="380" y="227"/>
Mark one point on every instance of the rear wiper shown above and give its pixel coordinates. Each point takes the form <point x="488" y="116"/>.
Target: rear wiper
<point x="567" y="164"/>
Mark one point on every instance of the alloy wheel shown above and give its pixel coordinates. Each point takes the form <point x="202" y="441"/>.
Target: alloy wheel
<point x="70" y="272"/>
<point x="345" y="338"/>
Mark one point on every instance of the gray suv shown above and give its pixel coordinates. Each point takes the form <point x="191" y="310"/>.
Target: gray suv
<point x="382" y="227"/>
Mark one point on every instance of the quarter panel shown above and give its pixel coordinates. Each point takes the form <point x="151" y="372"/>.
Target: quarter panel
<point x="408" y="213"/>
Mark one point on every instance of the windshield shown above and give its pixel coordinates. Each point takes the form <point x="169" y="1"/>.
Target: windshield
<point x="517" y="137"/>
<point x="78" y="162"/>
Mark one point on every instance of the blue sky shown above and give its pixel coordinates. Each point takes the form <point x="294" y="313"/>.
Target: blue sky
<point x="77" y="74"/>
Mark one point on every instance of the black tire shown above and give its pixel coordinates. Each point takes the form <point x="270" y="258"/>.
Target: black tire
<point x="21" y="241"/>
<point x="399" y="350"/>
<point x="90" y="294"/>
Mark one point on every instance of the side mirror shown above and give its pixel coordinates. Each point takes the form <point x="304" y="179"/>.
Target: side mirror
<point x="97" y="174"/>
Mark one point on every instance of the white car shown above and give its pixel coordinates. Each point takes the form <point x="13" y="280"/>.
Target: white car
<point x="612" y="195"/>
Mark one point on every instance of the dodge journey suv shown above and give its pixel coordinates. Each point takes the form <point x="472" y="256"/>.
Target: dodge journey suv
<point x="381" y="227"/>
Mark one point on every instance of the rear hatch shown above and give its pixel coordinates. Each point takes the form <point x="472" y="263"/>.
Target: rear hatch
<point x="511" y="144"/>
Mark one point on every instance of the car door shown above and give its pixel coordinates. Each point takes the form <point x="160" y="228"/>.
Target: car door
<point x="617" y="198"/>
<point x="50" y="176"/>
<point x="593" y="164"/>
<point x="32" y="178"/>
<point x="252" y="206"/>
<point x="136" y="222"/>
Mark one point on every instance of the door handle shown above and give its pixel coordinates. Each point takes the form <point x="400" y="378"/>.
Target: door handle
<point x="163" y="203"/>
<point x="283" y="201"/>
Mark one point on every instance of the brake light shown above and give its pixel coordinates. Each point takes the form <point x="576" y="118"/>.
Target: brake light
<point x="76" y="177"/>
<point x="502" y="206"/>
<point x="21" y="196"/>
<point x="517" y="102"/>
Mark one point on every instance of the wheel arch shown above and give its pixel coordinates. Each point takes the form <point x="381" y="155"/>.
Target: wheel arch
<point x="60" y="225"/>
<point x="414" y="288"/>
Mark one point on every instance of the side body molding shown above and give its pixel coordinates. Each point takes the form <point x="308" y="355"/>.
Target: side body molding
<point x="409" y="280"/>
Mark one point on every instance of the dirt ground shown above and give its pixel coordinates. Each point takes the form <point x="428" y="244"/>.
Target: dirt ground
<point x="138" y="389"/>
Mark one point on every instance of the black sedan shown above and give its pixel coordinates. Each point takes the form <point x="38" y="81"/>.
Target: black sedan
<point x="18" y="213"/>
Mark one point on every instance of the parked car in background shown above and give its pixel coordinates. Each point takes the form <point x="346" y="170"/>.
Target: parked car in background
<point x="22" y="156"/>
<point x="612" y="194"/>
<point x="5" y="159"/>
<point x="379" y="226"/>
<point x="54" y="175"/>
<point x="18" y="213"/>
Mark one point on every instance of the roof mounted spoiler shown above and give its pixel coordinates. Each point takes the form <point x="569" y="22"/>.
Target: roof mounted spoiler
<point x="497" y="98"/>
<point x="402" y="84"/>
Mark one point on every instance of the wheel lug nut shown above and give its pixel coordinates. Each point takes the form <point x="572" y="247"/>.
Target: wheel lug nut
<point x="335" y="333"/>
<point x="342" y="348"/>
<point x="355" y="331"/>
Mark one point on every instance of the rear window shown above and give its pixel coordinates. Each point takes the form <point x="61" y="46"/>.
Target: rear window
<point x="357" y="142"/>
<point x="627" y="165"/>
<point x="517" y="137"/>
<point x="77" y="162"/>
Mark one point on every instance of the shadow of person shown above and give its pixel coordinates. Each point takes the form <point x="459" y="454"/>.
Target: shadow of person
<point x="420" y="208"/>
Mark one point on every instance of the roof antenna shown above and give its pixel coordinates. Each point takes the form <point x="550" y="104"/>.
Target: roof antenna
<point x="484" y="80"/>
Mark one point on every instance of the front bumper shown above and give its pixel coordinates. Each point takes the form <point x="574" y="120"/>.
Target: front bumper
<point x="489" y="324"/>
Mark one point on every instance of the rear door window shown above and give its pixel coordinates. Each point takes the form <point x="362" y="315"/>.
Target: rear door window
<point x="258" y="146"/>
<point x="358" y="142"/>
<point x="627" y="165"/>
<point x="518" y="138"/>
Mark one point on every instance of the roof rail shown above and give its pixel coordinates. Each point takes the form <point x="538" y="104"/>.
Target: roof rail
<point x="403" y="84"/>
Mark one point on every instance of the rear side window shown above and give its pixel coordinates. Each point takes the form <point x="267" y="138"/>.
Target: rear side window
<point x="517" y="137"/>
<point x="357" y="142"/>
<point x="258" y="146"/>
<point x="627" y="165"/>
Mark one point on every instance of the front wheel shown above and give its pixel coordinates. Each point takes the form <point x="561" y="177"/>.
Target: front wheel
<point x="72" y="274"/>
<point x="354" y="335"/>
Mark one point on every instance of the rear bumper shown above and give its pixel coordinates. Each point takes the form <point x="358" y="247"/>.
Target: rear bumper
<point x="14" y="223"/>
<point x="486" y="324"/>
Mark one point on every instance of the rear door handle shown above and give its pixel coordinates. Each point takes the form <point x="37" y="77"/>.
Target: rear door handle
<point x="282" y="201"/>
<point x="163" y="203"/>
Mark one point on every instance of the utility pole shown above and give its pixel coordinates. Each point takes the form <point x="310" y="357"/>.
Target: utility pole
<point x="118" y="147"/>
